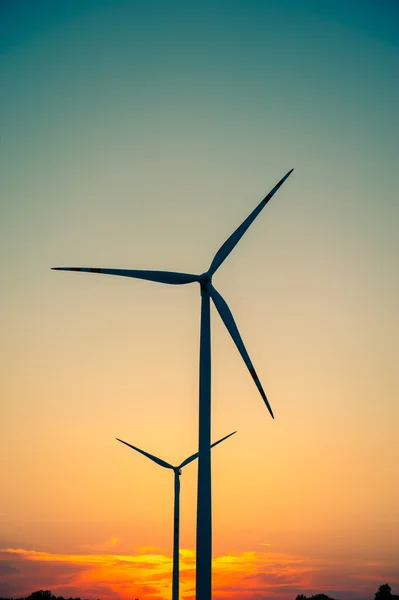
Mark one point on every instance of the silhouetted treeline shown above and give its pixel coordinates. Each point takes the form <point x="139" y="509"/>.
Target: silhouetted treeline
<point x="41" y="595"/>
<point x="315" y="597"/>
<point x="383" y="593"/>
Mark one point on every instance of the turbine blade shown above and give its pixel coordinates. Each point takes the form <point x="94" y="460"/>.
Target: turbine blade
<point x="235" y="237"/>
<point x="228" y="320"/>
<point x="222" y="439"/>
<point x="158" y="276"/>
<point x="194" y="456"/>
<point x="157" y="460"/>
<point x="188" y="460"/>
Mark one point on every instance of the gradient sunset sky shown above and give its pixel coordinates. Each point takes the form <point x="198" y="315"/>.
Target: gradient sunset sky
<point x="139" y="134"/>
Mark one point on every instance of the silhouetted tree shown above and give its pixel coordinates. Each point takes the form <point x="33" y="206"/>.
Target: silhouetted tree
<point x="315" y="597"/>
<point x="384" y="592"/>
<point x="41" y="595"/>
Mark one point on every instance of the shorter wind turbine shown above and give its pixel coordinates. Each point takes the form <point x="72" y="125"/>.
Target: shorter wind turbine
<point x="176" y="526"/>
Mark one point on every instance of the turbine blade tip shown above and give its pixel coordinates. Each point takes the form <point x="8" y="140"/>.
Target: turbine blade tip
<point x="64" y="269"/>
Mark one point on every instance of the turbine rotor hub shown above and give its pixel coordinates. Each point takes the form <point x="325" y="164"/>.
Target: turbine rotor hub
<point x="205" y="278"/>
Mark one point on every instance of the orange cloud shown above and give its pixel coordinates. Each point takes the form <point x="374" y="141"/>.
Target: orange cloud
<point x="247" y="576"/>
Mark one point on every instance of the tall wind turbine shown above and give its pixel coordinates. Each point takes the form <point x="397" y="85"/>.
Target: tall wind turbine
<point x="208" y="291"/>
<point x="176" y="521"/>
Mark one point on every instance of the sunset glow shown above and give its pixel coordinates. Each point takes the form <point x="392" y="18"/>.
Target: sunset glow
<point x="249" y="575"/>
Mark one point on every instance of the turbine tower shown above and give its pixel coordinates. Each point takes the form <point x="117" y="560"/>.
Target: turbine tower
<point x="176" y="521"/>
<point x="208" y="291"/>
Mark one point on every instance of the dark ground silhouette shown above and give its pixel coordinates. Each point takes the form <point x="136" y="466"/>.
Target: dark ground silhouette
<point x="42" y="595"/>
<point x="383" y="593"/>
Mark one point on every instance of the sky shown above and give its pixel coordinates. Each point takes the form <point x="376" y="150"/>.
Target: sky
<point x="140" y="134"/>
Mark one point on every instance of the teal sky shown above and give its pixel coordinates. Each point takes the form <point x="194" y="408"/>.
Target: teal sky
<point x="139" y="135"/>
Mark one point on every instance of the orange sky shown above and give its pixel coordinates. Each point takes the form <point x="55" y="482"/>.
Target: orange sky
<point x="147" y="574"/>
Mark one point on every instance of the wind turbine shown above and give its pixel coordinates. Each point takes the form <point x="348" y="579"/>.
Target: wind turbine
<point x="176" y="526"/>
<point x="208" y="291"/>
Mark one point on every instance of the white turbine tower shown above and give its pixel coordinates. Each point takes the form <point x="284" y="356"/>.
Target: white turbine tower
<point x="204" y="499"/>
<point x="176" y="512"/>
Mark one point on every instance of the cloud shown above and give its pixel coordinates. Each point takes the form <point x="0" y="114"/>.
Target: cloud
<point x="244" y="576"/>
<point x="104" y="546"/>
<point x="7" y="567"/>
